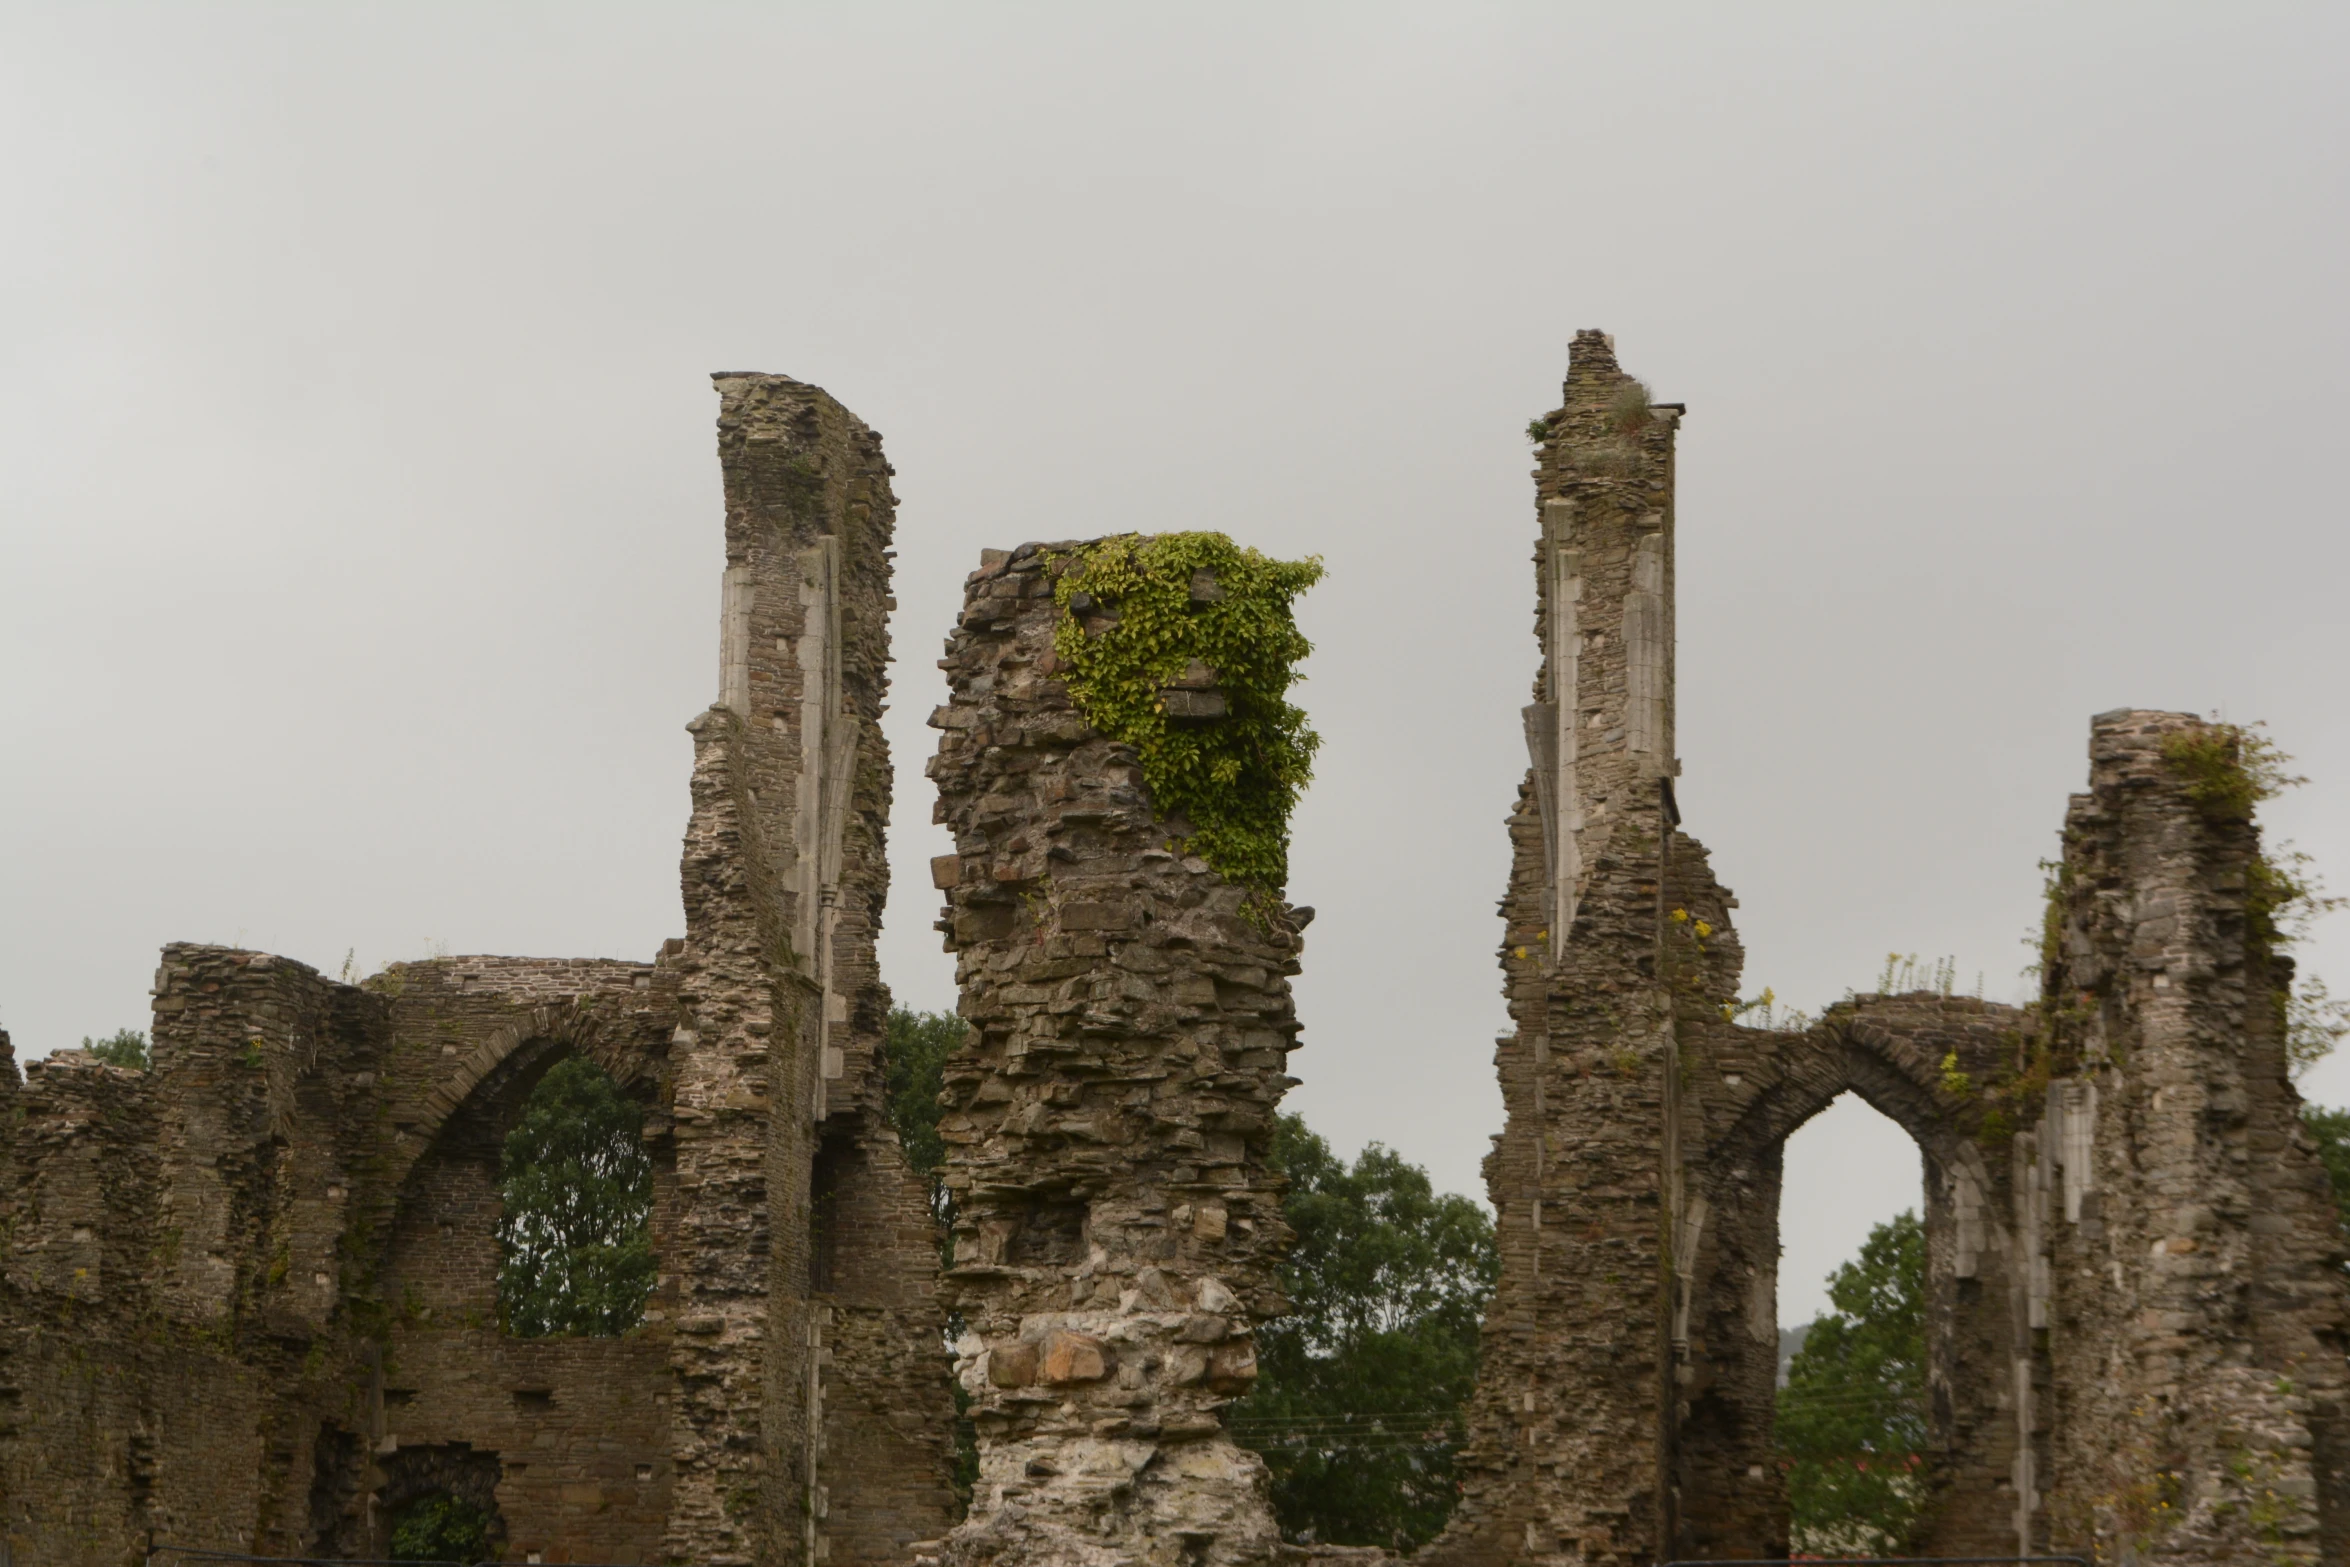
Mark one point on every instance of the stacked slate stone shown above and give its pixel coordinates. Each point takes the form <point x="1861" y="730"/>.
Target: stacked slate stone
<point x="2196" y="1314"/>
<point x="1107" y="1118"/>
<point x="1565" y="1457"/>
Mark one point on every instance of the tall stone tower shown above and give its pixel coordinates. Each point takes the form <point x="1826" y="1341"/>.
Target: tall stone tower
<point x="1107" y="1119"/>
<point x="1565" y="1458"/>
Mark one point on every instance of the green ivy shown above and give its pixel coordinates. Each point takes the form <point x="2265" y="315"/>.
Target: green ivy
<point x="1234" y="779"/>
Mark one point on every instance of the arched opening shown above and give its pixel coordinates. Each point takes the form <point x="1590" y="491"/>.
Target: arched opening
<point x="575" y="1184"/>
<point x="439" y="1503"/>
<point x="1853" y="1122"/>
<point x="1850" y="1425"/>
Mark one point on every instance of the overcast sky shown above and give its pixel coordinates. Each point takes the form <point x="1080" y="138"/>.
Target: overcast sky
<point x="360" y="520"/>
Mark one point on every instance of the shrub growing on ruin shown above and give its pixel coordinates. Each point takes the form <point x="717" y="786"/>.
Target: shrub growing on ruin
<point x="125" y="1047"/>
<point x="1143" y="615"/>
<point x="2330" y="1130"/>
<point x="2230" y="769"/>
<point x="575" y="1236"/>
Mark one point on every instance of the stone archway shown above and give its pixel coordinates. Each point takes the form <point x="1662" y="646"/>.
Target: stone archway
<point x="578" y="1424"/>
<point x="1890" y="1052"/>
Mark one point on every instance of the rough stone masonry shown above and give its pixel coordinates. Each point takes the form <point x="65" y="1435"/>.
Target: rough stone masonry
<point x="1115" y="1222"/>
<point x="2136" y="1310"/>
<point x="247" y="1298"/>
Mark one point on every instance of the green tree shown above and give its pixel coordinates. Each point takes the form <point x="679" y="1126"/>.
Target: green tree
<point x="576" y="1233"/>
<point x="123" y="1047"/>
<point x="440" y="1528"/>
<point x="2331" y="1131"/>
<point x="1357" y="1405"/>
<point x="1851" y="1425"/>
<point x="914" y="1059"/>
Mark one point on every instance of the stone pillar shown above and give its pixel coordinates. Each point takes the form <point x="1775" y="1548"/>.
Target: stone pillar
<point x="1116" y="1227"/>
<point x="1566" y="1459"/>
<point x="2192" y="1293"/>
<point x="777" y="1059"/>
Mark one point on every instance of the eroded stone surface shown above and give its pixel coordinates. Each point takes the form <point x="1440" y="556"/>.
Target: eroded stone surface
<point x="247" y="1299"/>
<point x="2135" y="1318"/>
<point x="1107" y="1119"/>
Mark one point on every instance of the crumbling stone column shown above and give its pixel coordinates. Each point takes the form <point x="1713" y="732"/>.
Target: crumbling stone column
<point x="776" y="1062"/>
<point x="1116" y="1227"/>
<point x="1565" y="1458"/>
<point x="2193" y="1299"/>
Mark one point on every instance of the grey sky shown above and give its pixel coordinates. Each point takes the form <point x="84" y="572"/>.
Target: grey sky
<point x="359" y="515"/>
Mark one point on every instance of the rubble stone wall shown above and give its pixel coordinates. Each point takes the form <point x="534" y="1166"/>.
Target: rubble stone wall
<point x="1115" y="1224"/>
<point x="2135" y="1317"/>
<point x="248" y="1297"/>
<point x="2194" y="1301"/>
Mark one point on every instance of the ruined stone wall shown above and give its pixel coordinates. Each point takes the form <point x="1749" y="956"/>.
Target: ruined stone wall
<point x="1115" y="1226"/>
<point x="1565" y="1458"/>
<point x="248" y="1298"/>
<point x="76" y="1187"/>
<point x="2193" y="1301"/>
<point x="784" y="884"/>
<point x="1746" y="1092"/>
<point x="572" y="1431"/>
<point x="1624" y="1405"/>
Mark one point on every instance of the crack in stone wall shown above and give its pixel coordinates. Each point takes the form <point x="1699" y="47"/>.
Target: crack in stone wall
<point x="1107" y="1119"/>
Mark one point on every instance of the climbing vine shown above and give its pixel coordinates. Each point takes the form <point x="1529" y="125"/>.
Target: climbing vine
<point x="1143" y="615"/>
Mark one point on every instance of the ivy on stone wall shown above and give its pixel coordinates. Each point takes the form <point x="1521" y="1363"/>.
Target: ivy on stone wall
<point x="1153" y="629"/>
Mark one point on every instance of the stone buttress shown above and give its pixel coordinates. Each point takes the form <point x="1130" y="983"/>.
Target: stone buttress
<point x="1115" y="1224"/>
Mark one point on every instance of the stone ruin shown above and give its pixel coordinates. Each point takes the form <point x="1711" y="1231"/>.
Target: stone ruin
<point x="248" y="1297"/>
<point x="250" y="1294"/>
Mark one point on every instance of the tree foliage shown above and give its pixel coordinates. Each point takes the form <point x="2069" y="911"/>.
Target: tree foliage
<point x="1851" y="1425"/>
<point x="440" y="1528"/>
<point x="914" y="1059"/>
<point x="1359" y="1392"/>
<point x="576" y="1233"/>
<point x="124" y="1047"/>
<point x="2330" y="1129"/>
